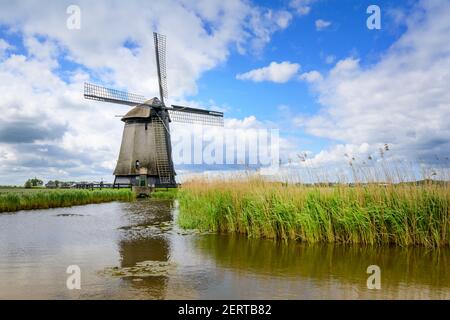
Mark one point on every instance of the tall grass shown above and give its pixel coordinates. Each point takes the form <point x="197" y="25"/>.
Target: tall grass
<point x="365" y="213"/>
<point x="164" y="194"/>
<point x="14" y="201"/>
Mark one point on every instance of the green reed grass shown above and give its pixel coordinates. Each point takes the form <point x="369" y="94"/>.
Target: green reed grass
<point x="166" y="194"/>
<point x="367" y="214"/>
<point x="15" y="201"/>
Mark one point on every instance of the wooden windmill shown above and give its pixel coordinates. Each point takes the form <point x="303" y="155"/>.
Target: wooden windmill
<point x="145" y="159"/>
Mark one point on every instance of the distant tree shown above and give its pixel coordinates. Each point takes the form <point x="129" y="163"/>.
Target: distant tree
<point x="28" y="184"/>
<point x="36" y="182"/>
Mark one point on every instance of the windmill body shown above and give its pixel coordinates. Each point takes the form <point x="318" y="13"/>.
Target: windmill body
<point x="145" y="158"/>
<point x="145" y="152"/>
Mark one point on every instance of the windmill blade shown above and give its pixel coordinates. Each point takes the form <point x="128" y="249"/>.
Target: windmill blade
<point x="94" y="92"/>
<point x="160" y="50"/>
<point x="196" y="116"/>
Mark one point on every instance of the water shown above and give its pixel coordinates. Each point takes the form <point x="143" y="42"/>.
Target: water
<point x="110" y="242"/>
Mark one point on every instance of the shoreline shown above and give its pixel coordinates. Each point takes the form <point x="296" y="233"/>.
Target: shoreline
<point x="49" y="199"/>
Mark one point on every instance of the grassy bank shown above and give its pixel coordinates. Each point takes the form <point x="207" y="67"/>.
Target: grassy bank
<point x="14" y="200"/>
<point x="165" y="194"/>
<point x="368" y="214"/>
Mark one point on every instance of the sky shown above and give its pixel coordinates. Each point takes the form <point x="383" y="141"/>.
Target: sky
<point x="334" y="88"/>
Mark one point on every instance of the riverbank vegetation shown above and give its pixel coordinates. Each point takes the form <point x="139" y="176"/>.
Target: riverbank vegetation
<point x="165" y="194"/>
<point x="371" y="213"/>
<point x="26" y="199"/>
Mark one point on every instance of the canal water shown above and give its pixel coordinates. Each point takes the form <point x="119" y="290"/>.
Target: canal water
<point x="135" y="251"/>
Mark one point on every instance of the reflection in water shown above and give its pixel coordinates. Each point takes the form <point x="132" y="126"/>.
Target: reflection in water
<point x="406" y="272"/>
<point x="140" y="243"/>
<point x="37" y="246"/>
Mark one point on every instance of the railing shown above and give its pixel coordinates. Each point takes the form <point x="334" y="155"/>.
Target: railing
<point x="102" y="186"/>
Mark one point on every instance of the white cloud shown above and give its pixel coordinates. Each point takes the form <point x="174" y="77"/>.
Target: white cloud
<point x="282" y="19"/>
<point x="275" y="72"/>
<point x="302" y="7"/>
<point x="311" y="76"/>
<point x="64" y="136"/>
<point x="243" y="132"/>
<point x="330" y="59"/>
<point x="402" y="100"/>
<point x="322" y="24"/>
<point x="4" y="47"/>
<point x="203" y="31"/>
<point x="262" y="24"/>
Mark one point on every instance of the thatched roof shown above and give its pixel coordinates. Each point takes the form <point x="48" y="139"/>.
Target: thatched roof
<point x="142" y="110"/>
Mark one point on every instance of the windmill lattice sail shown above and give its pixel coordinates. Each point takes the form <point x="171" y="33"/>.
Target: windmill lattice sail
<point x="196" y="116"/>
<point x="177" y="113"/>
<point x="95" y="92"/>
<point x="160" y="53"/>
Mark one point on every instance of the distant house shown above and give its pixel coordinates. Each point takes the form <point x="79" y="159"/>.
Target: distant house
<point x="65" y="185"/>
<point x="51" y="185"/>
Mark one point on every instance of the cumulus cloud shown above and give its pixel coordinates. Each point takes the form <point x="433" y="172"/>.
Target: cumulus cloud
<point x="203" y="31"/>
<point x="322" y="24"/>
<point x="402" y="100"/>
<point x="302" y="7"/>
<point x="282" y="19"/>
<point x="29" y="131"/>
<point x="4" y="46"/>
<point x="47" y="126"/>
<point x="275" y="72"/>
<point x="311" y="76"/>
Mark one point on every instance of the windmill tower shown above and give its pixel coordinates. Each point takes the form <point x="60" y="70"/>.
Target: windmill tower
<point x="145" y="158"/>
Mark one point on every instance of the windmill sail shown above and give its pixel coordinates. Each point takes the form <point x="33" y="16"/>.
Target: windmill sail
<point x="177" y="113"/>
<point x="160" y="50"/>
<point x="94" y="92"/>
<point x="196" y="116"/>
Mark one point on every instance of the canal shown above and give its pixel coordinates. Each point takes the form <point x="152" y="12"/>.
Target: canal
<point x="136" y="251"/>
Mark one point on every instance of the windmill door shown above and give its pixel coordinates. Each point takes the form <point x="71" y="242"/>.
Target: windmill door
<point x="142" y="180"/>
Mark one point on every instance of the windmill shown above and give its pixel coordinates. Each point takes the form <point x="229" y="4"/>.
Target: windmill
<point x="145" y="158"/>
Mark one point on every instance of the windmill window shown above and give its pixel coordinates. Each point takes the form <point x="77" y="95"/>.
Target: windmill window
<point x="138" y="165"/>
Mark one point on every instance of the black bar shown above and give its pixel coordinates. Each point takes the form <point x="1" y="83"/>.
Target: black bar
<point x="229" y="309"/>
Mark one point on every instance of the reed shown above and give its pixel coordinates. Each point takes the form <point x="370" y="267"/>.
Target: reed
<point x="400" y="214"/>
<point x="15" y="201"/>
<point x="164" y="194"/>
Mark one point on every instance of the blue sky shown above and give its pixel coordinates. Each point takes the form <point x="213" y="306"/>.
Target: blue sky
<point x="301" y="43"/>
<point x="311" y="68"/>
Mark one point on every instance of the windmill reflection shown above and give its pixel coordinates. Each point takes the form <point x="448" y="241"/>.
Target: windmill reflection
<point x="143" y="241"/>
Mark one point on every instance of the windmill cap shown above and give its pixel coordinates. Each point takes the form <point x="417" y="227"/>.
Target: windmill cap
<point x="142" y="110"/>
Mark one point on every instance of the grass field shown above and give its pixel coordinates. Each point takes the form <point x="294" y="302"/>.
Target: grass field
<point x="368" y="214"/>
<point x="14" y="199"/>
<point x="4" y="190"/>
